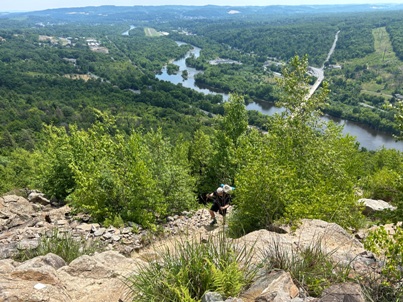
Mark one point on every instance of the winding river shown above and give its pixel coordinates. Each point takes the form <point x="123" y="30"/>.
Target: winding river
<point x="367" y="137"/>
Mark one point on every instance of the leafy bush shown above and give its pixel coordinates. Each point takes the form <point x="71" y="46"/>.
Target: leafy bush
<point x="15" y="170"/>
<point x="388" y="246"/>
<point x="191" y="268"/>
<point x="113" y="176"/>
<point x="310" y="267"/>
<point x="61" y="244"/>
<point x="385" y="184"/>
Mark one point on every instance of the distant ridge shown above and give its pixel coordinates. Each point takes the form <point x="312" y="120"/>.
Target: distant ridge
<point x="112" y="13"/>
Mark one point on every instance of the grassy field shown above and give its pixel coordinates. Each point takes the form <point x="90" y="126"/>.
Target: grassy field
<point x="387" y="67"/>
<point x="151" y="32"/>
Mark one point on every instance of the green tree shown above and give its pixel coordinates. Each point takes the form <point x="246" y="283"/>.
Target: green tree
<point x="294" y="89"/>
<point x="16" y="170"/>
<point x="53" y="172"/>
<point x="299" y="169"/>
<point x="235" y="121"/>
<point x="222" y="165"/>
<point x="171" y="170"/>
<point x="200" y="152"/>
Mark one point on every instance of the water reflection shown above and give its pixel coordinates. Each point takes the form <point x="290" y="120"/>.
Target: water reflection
<point x="189" y="82"/>
<point x="366" y="136"/>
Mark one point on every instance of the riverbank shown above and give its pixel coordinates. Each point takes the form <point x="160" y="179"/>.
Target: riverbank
<point x="367" y="138"/>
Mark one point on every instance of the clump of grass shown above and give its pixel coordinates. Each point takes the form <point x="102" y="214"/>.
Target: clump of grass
<point x="376" y="289"/>
<point x="61" y="244"/>
<point x="310" y="267"/>
<point x="191" y="268"/>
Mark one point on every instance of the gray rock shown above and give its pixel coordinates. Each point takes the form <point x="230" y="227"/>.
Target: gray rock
<point x="99" y="232"/>
<point x="84" y="227"/>
<point x="115" y="237"/>
<point x="186" y="213"/>
<point x="127" y="241"/>
<point x="6" y="266"/>
<point x="372" y="205"/>
<point x="107" y="236"/>
<point x="8" y="250"/>
<point x="12" y="198"/>
<point x="212" y="297"/>
<point x="36" y="197"/>
<point x="62" y="222"/>
<point x="28" y="244"/>
<point x="36" y="269"/>
<point x="88" y="267"/>
<point x="274" y="286"/>
<point x="37" y="207"/>
<point x="126" y="230"/>
<point x="345" y="292"/>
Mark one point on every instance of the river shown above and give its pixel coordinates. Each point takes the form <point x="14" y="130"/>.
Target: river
<point x="367" y="137"/>
<point x="126" y="33"/>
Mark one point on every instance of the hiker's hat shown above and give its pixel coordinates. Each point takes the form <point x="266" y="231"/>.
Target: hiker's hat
<point x="220" y="190"/>
<point x="227" y="188"/>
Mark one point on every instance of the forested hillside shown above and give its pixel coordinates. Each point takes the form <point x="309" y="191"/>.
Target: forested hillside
<point x="84" y="119"/>
<point x="73" y="93"/>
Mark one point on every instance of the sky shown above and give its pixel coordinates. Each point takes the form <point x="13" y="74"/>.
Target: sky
<point x="32" y="5"/>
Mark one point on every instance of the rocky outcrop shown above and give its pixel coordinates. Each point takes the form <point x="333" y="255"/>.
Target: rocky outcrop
<point x="23" y="221"/>
<point x="48" y="278"/>
<point x="329" y="237"/>
<point x="99" y="277"/>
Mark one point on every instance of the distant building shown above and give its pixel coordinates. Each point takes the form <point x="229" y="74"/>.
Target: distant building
<point x="398" y="96"/>
<point x="73" y="61"/>
<point x="335" y="66"/>
<point x="224" y="61"/>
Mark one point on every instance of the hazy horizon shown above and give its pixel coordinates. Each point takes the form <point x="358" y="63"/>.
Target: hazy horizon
<point x="29" y="5"/>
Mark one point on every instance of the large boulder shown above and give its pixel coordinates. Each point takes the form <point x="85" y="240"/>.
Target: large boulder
<point x="275" y="286"/>
<point x="41" y="269"/>
<point x="37" y="197"/>
<point x="87" y="279"/>
<point x="32" y="291"/>
<point x="311" y="233"/>
<point x="372" y="205"/>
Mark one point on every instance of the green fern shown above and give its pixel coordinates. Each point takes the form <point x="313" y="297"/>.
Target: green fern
<point x="229" y="280"/>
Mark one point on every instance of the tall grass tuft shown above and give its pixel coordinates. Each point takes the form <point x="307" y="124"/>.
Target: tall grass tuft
<point x="191" y="268"/>
<point x="61" y="244"/>
<point x="310" y="267"/>
<point x="376" y="289"/>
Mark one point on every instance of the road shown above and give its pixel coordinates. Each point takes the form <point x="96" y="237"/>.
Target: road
<point x="319" y="73"/>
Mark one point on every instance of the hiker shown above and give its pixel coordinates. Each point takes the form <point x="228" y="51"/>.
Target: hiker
<point x="221" y="203"/>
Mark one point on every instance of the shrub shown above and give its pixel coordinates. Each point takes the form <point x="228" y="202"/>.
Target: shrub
<point x="61" y="244"/>
<point x="191" y="268"/>
<point x="388" y="246"/>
